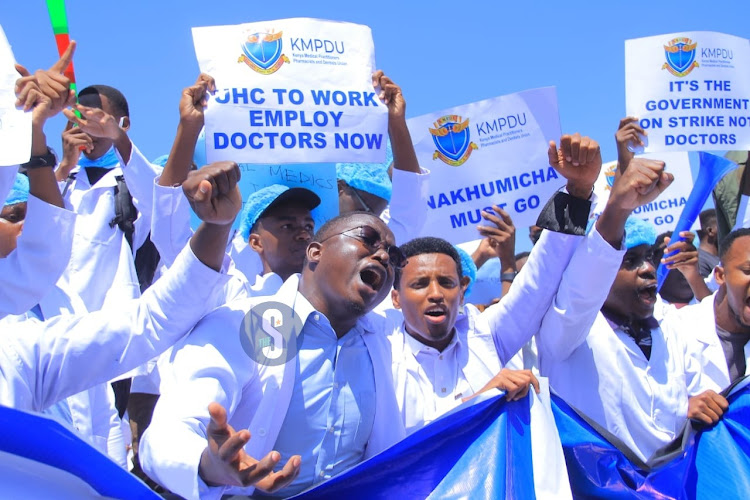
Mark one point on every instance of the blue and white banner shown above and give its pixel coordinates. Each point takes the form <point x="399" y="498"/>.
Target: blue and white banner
<point x="492" y="152"/>
<point x="711" y="463"/>
<point x="292" y="91"/>
<point x="664" y="211"/>
<point x="486" y="449"/>
<point x="691" y="90"/>
<point x="41" y="458"/>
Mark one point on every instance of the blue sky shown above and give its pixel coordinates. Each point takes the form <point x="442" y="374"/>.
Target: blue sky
<point x="442" y="53"/>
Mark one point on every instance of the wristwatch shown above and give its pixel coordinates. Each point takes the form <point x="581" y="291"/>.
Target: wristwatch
<point x="508" y="276"/>
<point x="45" y="160"/>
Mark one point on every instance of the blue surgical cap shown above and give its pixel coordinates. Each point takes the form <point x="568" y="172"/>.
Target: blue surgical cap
<point x="161" y="161"/>
<point x="468" y="268"/>
<point x="19" y="193"/>
<point x="638" y="232"/>
<point x="199" y="156"/>
<point x="369" y="177"/>
<point x="261" y="200"/>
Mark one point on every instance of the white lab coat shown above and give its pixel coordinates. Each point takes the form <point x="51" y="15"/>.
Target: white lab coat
<point x="211" y="365"/>
<point x="603" y="373"/>
<point x="404" y="217"/>
<point x="93" y="412"/>
<point x="44" y="362"/>
<point x="42" y="254"/>
<point x="487" y="341"/>
<point x="101" y="269"/>
<point x="697" y="323"/>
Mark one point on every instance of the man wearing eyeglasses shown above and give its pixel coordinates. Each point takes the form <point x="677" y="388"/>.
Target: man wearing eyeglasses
<point x="306" y="411"/>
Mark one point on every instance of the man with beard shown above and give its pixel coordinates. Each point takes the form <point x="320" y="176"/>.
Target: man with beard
<point x="317" y="400"/>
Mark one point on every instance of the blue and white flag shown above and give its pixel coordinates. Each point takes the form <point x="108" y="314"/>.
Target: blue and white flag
<point x="488" y="448"/>
<point x="711" y="463"/>
<point x="41" y="458"/>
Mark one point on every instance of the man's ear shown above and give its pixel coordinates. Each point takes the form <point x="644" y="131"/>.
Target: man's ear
<point x="395" y="299"/>
<point x="314" y="252"/>
<point x="254" y="242"/>
<point x="342" y="186"/>
<point x="465" y="281"/>
<point x="719" y="275"/>
<point x="125" y="123"/>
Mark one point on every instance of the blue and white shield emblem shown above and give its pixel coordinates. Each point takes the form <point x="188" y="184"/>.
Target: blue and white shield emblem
<point x="452" y="139"/>
<point x="453" y="144"/>
<point x="680" y="55"/>
<point x="263" y="49"/>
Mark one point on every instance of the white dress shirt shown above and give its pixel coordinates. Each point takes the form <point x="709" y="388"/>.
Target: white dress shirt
<point x="42" y="253"/>
<point x="44" y="362"/>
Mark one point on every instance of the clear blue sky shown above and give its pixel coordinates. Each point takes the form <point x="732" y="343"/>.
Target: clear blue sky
<point x="442" y="53"/>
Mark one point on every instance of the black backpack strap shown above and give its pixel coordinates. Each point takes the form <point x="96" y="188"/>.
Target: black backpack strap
<point x="125" y="211"/>
<point x="68" y="182"/>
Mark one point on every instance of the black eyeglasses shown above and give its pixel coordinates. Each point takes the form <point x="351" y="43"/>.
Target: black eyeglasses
<point x="372" y="240"/>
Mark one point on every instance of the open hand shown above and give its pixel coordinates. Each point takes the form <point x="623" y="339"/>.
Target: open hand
<point x="224" y="461"/>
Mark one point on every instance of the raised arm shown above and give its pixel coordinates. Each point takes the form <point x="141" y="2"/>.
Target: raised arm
<point x="517" y="317"/>
<point x="592" y="270"/>
<point x="170" y="221"/>
<point x="45" y="362"/>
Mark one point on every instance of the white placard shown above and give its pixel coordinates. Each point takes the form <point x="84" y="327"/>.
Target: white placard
<point x="15" y="125"/>
<point x="292" y="91"/>
<point x="492" y="152"/>
<point x="664" y="211"/>
<point x="691" y="91"/>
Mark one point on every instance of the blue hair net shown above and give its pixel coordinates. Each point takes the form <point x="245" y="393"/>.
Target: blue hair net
<point x="161" y="161"/>
<point x="259" y="201"/>
<point x="468" y="268"/>
<point x="19" y="193"/>
<point x="369" y="177"/>
<point x="638" y="232"/>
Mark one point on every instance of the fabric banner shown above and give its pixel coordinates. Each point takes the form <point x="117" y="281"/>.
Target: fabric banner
<point x="711" y="463"/>
<point x="492" y="152"/>
<point x="15" y="125"/>
<point x="690" y="90"/>
<point x="663" y="212"/>
<point x="292" y="91"/>
<point x="41" y="458"/>
<point x="484" y="449"/>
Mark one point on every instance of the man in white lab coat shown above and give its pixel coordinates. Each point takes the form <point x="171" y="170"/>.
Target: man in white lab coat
<point x="332" y="400"/>
<point x="42" y="362"/>
<point x="42" y="250"/>
<point x="718" y="328"/>
<point x="617" y="366"/>
<point x="101" y="269"/>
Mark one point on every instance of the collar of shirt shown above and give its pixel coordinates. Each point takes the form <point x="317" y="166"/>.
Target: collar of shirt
<point x="616" y="320"/>
<point x="416" y="347"/>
